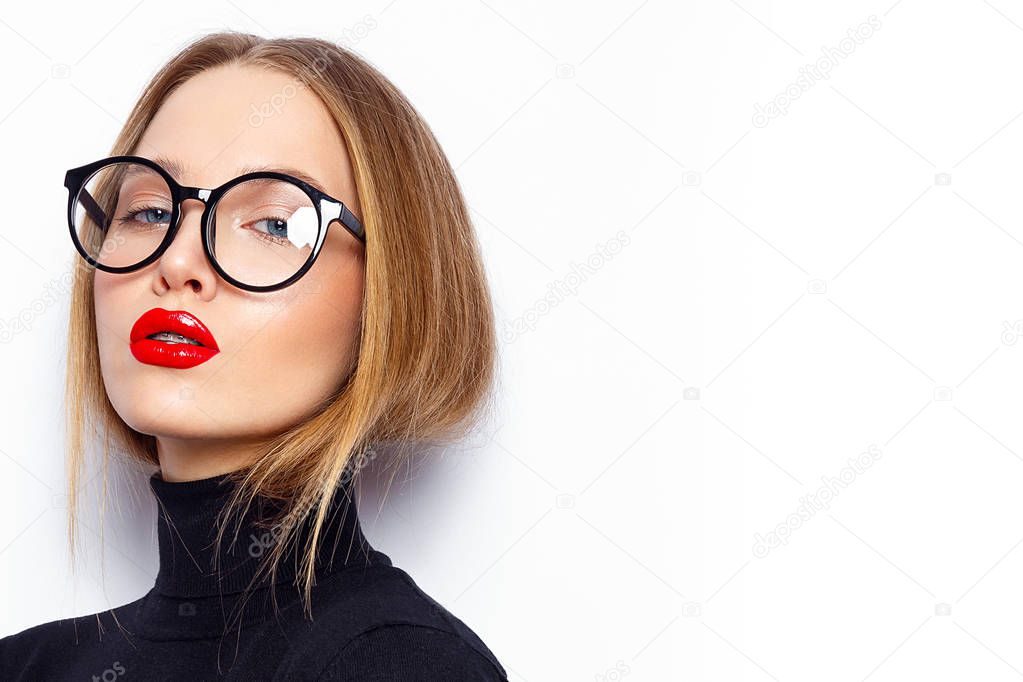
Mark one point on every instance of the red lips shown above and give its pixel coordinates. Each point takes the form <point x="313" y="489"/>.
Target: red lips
<point x="166" y="354"/>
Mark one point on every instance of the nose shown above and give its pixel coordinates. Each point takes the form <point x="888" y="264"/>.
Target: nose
<point x="184" y="263"/>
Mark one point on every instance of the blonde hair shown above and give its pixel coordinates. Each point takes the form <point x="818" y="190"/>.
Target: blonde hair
<point x="425" y="359"/>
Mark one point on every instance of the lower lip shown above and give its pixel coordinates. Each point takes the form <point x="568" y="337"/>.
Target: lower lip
<point x="174" y="355"/>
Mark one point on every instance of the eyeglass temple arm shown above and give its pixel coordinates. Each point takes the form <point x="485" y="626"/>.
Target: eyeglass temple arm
<point x="93" y="209"/>
<point x="349" y="220"/>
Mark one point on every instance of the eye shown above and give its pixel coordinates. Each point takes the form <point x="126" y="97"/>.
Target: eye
<point x="277" y="228"/>
<point x="147" y="215"/>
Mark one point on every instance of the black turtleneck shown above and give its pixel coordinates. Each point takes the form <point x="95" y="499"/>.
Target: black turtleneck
<point x="213" y="615"/>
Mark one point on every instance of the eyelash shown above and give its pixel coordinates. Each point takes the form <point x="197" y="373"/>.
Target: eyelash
<point x="132" y="215"/>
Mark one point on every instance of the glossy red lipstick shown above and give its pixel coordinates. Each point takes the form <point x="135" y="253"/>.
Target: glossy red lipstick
<point x="182" y="341"/>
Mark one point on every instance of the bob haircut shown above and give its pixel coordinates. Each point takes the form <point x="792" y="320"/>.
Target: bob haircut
<point x="424" y="366"/>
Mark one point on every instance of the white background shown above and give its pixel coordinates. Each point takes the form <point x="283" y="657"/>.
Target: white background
<point x="782" y="298"/>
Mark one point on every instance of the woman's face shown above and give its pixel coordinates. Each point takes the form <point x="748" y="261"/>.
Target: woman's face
<point x="280" y="353"/>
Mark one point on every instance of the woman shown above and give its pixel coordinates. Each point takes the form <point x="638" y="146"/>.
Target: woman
<point x="279" y="281"/>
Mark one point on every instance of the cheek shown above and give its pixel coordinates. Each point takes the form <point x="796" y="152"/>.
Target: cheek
<point x="328" y="312"/>
<point x="103" y="287"/>
<point x="112" y="305"/>
<point x="303" y="352"/>
<point x="129" y="387"/>
<point x="330" y="300"/>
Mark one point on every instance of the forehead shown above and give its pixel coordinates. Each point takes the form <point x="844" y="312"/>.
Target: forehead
<point x="231" y="119"/>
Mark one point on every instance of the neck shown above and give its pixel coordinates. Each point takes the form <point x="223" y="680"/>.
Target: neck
<point x="186" y="459"/>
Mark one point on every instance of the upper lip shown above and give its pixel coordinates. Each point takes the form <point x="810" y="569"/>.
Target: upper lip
<point x="175" y="321"/>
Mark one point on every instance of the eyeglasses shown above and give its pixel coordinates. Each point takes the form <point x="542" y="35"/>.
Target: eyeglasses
<point x="260" y="231"/>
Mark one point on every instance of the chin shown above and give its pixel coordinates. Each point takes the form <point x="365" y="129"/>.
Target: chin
<point x="151" y="402"/>
<point x="166" y="417"/>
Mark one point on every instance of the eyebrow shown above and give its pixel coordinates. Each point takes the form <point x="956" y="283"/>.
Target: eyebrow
<point x="177" y="170"/>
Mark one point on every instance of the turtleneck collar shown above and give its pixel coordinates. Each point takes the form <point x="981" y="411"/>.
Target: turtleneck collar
<point x="190" y="563"/>
<point x="200" y="593"/>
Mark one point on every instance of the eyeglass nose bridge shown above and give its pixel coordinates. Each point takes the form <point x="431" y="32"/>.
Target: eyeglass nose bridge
<point x="199" y="193"/>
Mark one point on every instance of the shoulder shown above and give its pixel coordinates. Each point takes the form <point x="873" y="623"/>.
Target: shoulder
<point x="380" y="623"/>
<point x="72" y="631"/>
<point x="47" y="645"/>
<point x="403" y="652"/>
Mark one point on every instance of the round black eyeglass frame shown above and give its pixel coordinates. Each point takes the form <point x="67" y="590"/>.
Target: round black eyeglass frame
<point x="328" y="211"/>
